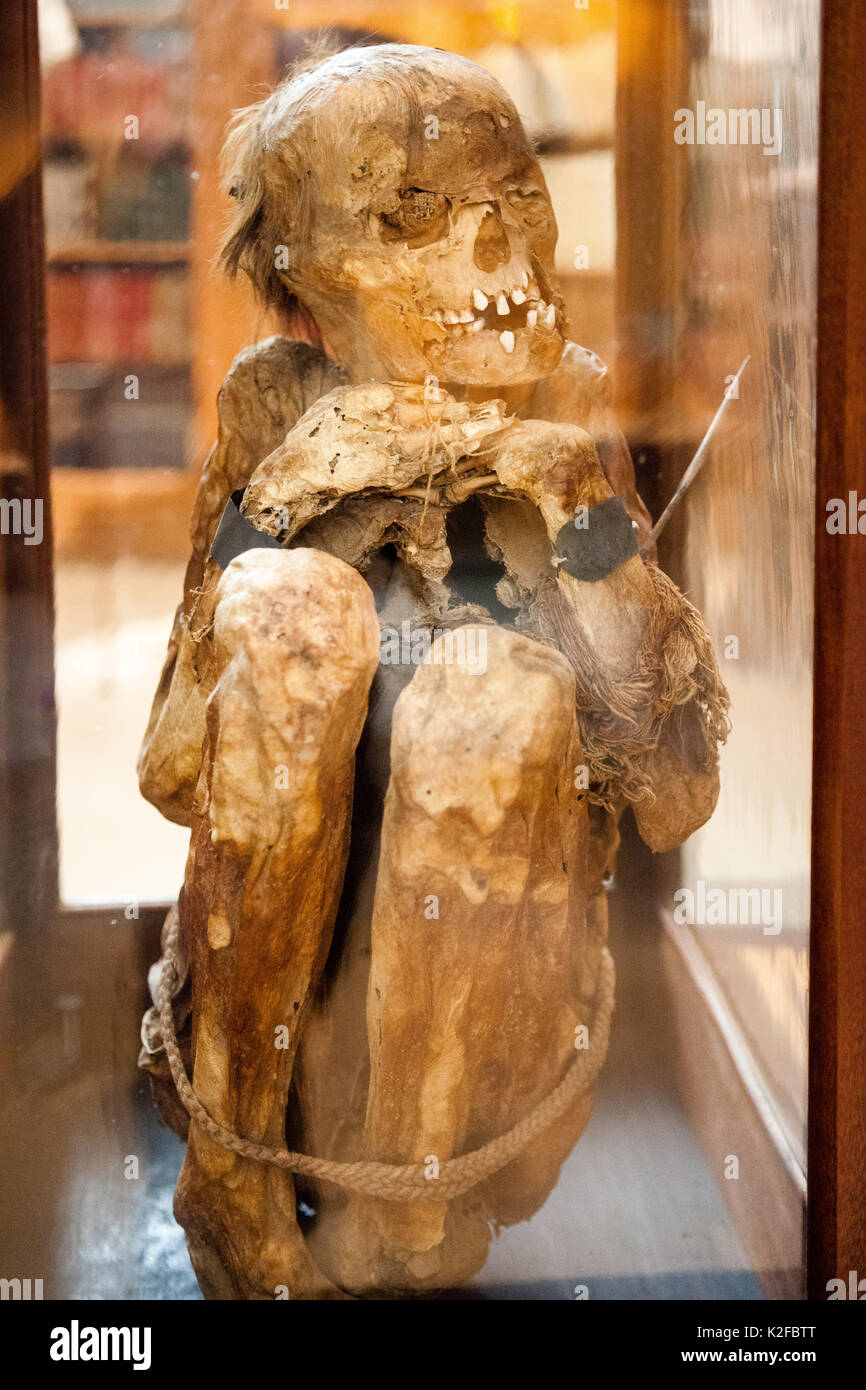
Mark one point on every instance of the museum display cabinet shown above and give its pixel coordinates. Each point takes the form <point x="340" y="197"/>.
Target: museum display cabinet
<point x="488" y="866"/>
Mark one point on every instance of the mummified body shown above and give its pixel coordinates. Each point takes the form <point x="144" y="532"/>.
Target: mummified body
<point x="396" y="864"/>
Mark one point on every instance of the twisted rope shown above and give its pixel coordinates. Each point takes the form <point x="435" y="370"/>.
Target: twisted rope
<point x="407" y="1181"/>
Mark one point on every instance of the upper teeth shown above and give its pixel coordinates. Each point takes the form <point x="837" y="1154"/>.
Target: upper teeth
<point x="468" y="321"/>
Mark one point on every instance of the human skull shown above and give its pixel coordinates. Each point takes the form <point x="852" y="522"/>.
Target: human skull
<point x="411" y="215"/>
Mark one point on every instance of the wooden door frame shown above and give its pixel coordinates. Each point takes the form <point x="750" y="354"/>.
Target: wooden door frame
<point x="28" y="830"/>
<point x="837" y="1011"/>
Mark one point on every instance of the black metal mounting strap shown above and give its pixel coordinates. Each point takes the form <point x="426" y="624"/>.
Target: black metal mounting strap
<point x="598" y="541"/>
<point x="235" y="533"/>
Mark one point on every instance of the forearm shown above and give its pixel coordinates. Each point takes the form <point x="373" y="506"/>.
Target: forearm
<point x="652" y="704"/>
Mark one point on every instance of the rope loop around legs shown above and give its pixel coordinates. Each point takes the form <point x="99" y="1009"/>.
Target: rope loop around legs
<point x="406" y="1181"/>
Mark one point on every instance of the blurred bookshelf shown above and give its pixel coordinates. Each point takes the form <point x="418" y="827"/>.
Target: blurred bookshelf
<point x="117" y="181"/>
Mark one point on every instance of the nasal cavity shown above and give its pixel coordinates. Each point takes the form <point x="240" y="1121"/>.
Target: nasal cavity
<point x="491" y="244"/>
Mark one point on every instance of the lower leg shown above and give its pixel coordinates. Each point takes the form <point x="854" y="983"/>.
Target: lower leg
<point x="296" y="645"/>
<point x="477" y="952"/>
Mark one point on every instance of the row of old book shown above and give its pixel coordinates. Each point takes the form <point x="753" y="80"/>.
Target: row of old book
<point x="107" y="314"/>
<point x="106" y="99"/>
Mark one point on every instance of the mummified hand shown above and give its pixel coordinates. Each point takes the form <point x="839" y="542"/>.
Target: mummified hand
<point x="386" y="438"/>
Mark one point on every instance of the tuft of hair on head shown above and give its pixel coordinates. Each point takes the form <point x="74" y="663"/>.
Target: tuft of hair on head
<point x="243" y="167"/>
<point x="253" y="237"/>
<point x="257" y="176"/>
<point x="318" y="48"/>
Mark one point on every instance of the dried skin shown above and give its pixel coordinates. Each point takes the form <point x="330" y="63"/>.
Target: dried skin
<point x="328" y="484"/>
<point x="478" y="950"/>
<point x="266" y="392"/>
<point x="417" y="257"/>
<point x="296" y="644"/>
<point x="339" y="156"/>
<point x="360" y="439"/>
<point x="388" y="439"/>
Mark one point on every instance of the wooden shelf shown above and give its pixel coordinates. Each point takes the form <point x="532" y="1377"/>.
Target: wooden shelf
<point x="104" y="514"/>
<point x="56" y="144"/>
<point x="98" y="252"/>
<point x="121" y="17"/>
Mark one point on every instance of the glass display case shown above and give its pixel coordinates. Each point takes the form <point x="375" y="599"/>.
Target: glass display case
<point x="655" y="765"/>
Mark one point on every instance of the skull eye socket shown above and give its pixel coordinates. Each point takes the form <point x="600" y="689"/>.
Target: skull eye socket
<point x="422" y="217"/>
<point x="530" y="204"/>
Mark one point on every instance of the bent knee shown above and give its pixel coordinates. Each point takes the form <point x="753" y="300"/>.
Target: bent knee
<point x="470" y="733"/>
<point x="305" y="601"/>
